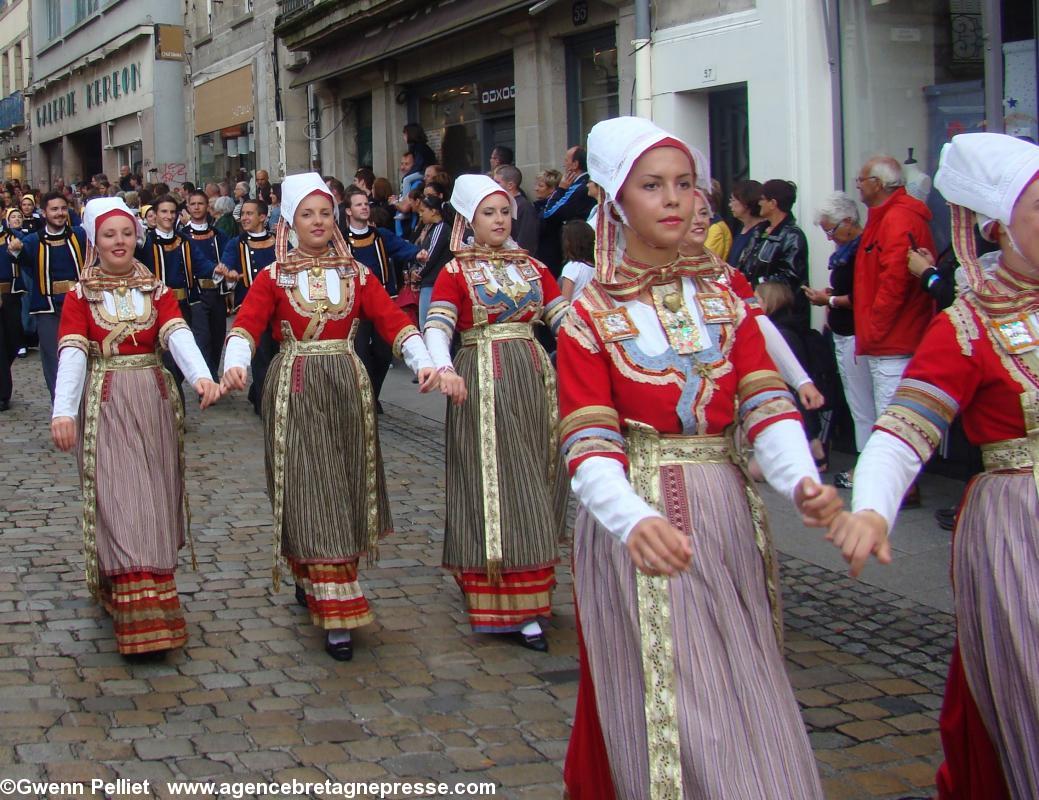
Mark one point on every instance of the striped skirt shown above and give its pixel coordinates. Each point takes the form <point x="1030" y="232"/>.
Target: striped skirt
<point x="334" y="597"/>
<point x="532" y="502"/>
<point x="996" y="582"/>
<point x="740" y="732"/>
<point x="510" y="603"/>
<point x="145" y="612"/>
<point x="326" y="502"/>
<point x="140" y="507"/>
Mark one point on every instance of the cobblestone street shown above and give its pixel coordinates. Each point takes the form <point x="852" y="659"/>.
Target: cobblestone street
<point x="253" y="696"/>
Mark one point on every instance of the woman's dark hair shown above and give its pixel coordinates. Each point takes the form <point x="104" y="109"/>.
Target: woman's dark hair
<point x="579" y="242"/>
<point x="748" y="193"/>
<point x="365" y="174"/>
<point x="433" y="203"/>
<point x="505" y="154"/>
<point x="783" y="192"/>
<point x="413" y="133"/>
<point x="381" y="217"/>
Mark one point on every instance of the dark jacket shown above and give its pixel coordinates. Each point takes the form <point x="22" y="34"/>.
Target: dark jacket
<point x="525" y="227"/>
<point x="842" y="277"/>
<point x="891" y="308"/>
<point x="562" y="206"/>
<point x="435" y="240"/>
<point x="781" y="255"/>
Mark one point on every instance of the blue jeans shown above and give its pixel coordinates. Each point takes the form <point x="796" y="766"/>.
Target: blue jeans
<point x="425" y="296"/>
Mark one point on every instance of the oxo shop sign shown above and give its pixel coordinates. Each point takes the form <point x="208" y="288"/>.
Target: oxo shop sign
<point x="496" y="95"/>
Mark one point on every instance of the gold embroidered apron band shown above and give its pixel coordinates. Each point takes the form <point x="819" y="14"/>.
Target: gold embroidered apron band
<point x="5" y="287"/>
<point x="207" y="283"/>
<point x="648" y="451"/>
<point x="119" y="363"/>
<point x="1011" y="454"/>
<point x="482" y="336"/>
<point x="497" y="333"/>
<point x="180" y="294"/>
<point x="1017" y="454"/>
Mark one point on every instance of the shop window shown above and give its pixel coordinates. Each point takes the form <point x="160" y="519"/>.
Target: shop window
<point x="222" y="154"/>
<point x="591" y="82"/>
<point x="363" y="131"/>
<point x="913" y="77"/>
<point x="465" y="116"/>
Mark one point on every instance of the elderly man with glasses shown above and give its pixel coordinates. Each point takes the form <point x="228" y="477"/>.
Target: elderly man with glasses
<point x="891" y="308"/>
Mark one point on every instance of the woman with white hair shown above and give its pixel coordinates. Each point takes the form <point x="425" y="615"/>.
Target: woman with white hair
<point x="683" y="691"/>
<point x="324" y="466"/>
<point x="979" y="359"/>
<point x="838" y="217"/>
<point x="506" y="490"/>
<point x="127" y="428"/>
<point x="224" y="221"/>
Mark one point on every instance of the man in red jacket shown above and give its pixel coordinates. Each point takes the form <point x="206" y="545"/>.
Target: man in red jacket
<point x="891" y="308"/>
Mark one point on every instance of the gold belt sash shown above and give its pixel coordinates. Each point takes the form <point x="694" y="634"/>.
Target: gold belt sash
<point x="62" y="287"/>
<point x="207" y="283"/>
<point x="648" y="451"/>
<point x="291" y="348"/>
<point x="1017" y="454"/>
<point x="482" y="337"/>
<point x="5" y="287"/>
<point x="98" y="366"/>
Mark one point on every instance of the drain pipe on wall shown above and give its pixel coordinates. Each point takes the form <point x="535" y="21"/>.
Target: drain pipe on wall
<point x="643" y="61"/>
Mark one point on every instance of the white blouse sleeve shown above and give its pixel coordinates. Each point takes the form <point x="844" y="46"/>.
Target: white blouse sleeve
<point x="883" y="474"/>
<point x="784" y="456"/>
<point x="439" y="347"/>
<point x="188" y="357"/>
<point x="68" y="388"/>
<point x="602" y="487"/>
<point x="779" y="351"/>
<point x="416" y="356"/>
<point x="237" y="352"/>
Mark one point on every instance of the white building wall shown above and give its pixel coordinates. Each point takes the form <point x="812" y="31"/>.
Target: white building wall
<point x="779" y="50"/>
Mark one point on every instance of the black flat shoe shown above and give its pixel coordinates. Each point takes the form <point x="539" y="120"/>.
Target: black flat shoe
<point x="301" y="596"/>
<point x="5" y="405"/>
<point x="340" y="651"/>
<point x="536" y="642"/>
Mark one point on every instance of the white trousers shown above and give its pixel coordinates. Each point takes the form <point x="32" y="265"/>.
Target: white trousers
<point x="858" y="387"/>
<point x="886" y="372"/>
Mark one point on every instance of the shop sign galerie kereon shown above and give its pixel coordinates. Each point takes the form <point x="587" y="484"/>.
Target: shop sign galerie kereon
<point x="107" y="87"/>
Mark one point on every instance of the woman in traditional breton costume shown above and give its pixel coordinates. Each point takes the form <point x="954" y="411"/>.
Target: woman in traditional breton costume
<point x="127" y="428"/>
<point x="694" y="248"/>
<point x="683" y="692"/>
<point x="979" y="358"/>
<point x="324" y="465"/>
<point x="506" y="488"/>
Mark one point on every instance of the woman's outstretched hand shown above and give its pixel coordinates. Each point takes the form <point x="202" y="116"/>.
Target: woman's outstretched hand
<point x="859" y="536"/>
<point x="657" y="547"/>
<point x="818" y="504"/>
<point x="233" y="380"/>
<point x="208" y="392"/>
<point x="453" y="386"/>
<point x="428" y="379"/>
<point x="63" y="432"/>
